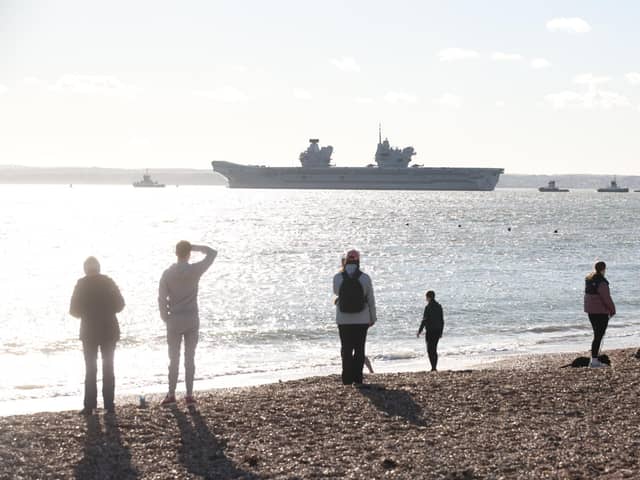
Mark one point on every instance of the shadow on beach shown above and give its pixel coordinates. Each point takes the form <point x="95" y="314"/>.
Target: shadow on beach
<point x="104" y="454"/>
<point x="394" y="403"/>
<point x="201" y="453"/>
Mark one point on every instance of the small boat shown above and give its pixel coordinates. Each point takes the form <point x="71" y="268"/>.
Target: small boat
<point x="613" y="188"/>
<point x="146" y="182"/>
<point x="552" y="187"/>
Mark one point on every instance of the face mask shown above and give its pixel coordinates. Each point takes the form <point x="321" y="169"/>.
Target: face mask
<point x="350" y="268"/>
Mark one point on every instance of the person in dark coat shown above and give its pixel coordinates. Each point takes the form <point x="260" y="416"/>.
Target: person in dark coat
<point x="96" y="299"/>
<point x="433" y="324"/>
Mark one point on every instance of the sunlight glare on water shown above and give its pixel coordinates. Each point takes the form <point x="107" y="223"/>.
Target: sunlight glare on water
<point x="266" y="304"/>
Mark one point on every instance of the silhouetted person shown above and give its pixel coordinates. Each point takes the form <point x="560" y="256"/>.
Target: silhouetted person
<point x="355" y="313"/>
<point x="178" y="303"/>
<point x="600" y="308"/>
<point x="96" y="299"/>
<point x="433" y="323"/>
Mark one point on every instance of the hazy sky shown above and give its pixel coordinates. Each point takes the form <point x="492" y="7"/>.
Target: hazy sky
<point x="534" y="87"/>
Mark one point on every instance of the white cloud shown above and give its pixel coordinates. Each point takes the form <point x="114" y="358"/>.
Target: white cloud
<point x="590" y="79"/>
<point x="449" y="100"/>
<point x="32" y="81"/>
<point x="540" y="63"/>
<point x="346" y="64"/>
<point x="500" y="104"/>
<point x="92" y="85"/>
<point x="453" y="54"/>
<point x="400" y="97"/>
<point x="563" y="99"/>
<point x="506" y="57"/>
<point x="234" y="68"/>
<point x="3" y="89"/>
<point x="591" y="100"/>
<point x="569" y="25"/>
<point x="302" y="94"/>
<point x="363" y="100"/>
<point x="225" y="94"/>
<point x="633" y="78"/>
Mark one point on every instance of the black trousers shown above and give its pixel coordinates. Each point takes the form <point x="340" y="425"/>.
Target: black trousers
<point x="107" y="350"/>
<point x="599" y="323"/>
<point x="352" y="345"/>
<point x="432" y="348"/>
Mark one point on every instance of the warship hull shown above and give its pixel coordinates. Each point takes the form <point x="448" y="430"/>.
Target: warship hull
<point x="358" y="178"/>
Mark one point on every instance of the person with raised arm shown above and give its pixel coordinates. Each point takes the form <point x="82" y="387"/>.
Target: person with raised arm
<point x="178" y="304"/>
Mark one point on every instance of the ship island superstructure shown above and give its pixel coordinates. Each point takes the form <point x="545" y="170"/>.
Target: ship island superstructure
<point x="390" y="172"/>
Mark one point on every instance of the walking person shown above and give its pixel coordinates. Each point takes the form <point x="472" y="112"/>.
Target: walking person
<point x="95" y="300"/>
<point x="600" y="308"/>
<point x="355" y="313"/>
<point x="433" y="324"/>
<point x="178" y="304"/>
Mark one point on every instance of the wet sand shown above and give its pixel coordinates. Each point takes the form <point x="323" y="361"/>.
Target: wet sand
<point x="523" y="418"/>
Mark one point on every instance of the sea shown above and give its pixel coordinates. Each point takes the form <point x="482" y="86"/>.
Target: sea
<point x="508" y="267"/>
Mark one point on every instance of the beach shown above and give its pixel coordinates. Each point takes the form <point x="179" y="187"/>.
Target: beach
<point x="523" y="417"/>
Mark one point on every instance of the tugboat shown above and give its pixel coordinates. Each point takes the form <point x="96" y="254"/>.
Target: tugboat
<point x="146" y="182"/>
<point x="551" y="187"/>
<point x="613" y="188"/>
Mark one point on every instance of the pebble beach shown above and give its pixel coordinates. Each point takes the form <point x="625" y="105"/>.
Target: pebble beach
<point x="523" y="418"/>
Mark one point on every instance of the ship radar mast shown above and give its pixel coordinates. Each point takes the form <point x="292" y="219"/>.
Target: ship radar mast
<point x="390" y="157"/>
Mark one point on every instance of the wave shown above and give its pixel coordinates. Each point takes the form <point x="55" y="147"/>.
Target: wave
<point x="390" y="357"/>
<point x="555" y="328"/>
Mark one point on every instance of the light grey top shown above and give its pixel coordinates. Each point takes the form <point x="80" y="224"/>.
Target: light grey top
<point x="366" y="316"/>
<point x="178" y="291"/>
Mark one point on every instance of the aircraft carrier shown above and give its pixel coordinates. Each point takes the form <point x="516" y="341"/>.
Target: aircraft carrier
<point x="391" y="171"/>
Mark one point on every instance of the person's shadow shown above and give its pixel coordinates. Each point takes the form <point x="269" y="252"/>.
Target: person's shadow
<point x="104" y="454"/>
<point x="201" y="453"/>
<point x="394" y="403"/>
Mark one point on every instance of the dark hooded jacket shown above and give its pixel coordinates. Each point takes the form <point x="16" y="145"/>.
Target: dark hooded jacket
<point x="96" y="299"/>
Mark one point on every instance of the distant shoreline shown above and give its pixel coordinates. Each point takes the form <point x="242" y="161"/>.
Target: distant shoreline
<point x="105" y="176"/>
<point x="10" y="174"/>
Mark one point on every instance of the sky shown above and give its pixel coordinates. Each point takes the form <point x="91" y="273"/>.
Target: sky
<point x="542" y="87"/>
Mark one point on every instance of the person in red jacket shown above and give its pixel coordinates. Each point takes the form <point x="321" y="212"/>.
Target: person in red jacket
<point x="96" y="299"/>
<point x="600" y="308"/>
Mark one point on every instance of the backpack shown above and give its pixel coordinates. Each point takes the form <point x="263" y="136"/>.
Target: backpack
<point x="584" y="361"/>
<point x="351" y="295"/>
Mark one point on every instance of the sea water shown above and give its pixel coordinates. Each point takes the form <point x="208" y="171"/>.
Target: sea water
<point x="507" y="266"/>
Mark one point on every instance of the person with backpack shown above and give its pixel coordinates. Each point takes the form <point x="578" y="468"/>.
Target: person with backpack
<point x="355" y="313"/>
<point x="95" y="301"/>
<point x="433" y="324"/>
<point x="600" y="308"/>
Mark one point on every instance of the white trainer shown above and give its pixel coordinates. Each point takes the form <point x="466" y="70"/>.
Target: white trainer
<point x="595" y="363"/>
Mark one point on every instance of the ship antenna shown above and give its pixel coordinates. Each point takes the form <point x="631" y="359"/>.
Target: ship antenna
<point x="379" y="133"/>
